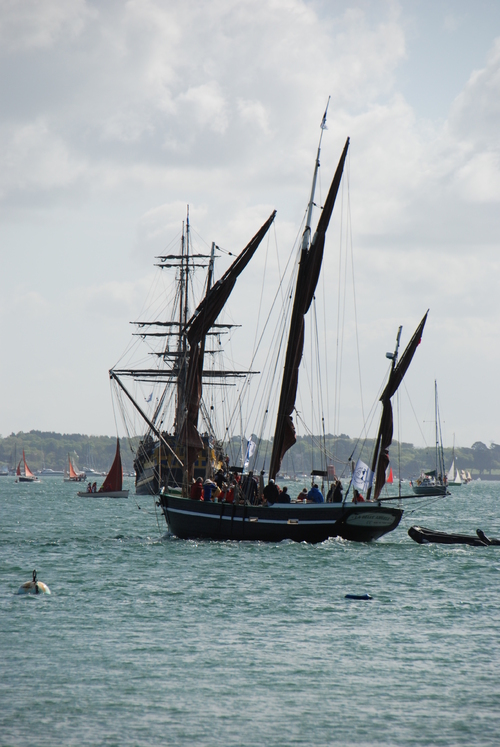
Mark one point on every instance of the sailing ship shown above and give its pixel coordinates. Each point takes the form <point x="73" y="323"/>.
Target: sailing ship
<point x="434" y="482"/>
<point x="453" y="477"/>
<point x="23" y="472"/>
<point x="169" y="462"/>
<point x="112" y="486"/>
<point x="73" y="474"/>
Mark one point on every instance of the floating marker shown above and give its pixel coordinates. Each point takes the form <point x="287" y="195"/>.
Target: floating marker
<point x="34" y="587"/>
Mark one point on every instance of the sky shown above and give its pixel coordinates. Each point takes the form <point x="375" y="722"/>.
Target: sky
<point x="116" y="115"/>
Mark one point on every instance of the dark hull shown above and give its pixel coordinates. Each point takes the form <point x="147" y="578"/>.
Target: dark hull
<point x="313" y="523"/>
<point x="430" y="489"/>
<point x="425" y="536"/>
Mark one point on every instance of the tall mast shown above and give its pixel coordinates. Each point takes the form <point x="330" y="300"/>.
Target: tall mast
<point x="311" y="257"/>
<point x="306" y="236"/>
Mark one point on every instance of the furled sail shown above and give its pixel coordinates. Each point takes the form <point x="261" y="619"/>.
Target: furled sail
<point x="114" y="478"/>
<point x="384" y="438"/>
<point x="307" y="278"/>
<point x="196" y="330"/>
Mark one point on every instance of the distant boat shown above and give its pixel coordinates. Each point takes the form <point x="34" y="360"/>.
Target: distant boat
<point x="465" y="476"/>
<point x="24" y="474"/>
<point x="453" y="475"/>
<point x="112" y="485"/>
<point x="434" y="482"/>
<point x="73" y="475"/>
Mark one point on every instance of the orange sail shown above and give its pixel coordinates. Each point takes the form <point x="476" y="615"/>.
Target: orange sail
<point x="114" y="478"/>
<point x="390" y="478"/>
<point x="72" y="473"/>
<point x="27" y="471"/>
<point x="18" y="470"/>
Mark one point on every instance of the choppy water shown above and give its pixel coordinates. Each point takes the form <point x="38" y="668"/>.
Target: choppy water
<point x="148" y="640"/>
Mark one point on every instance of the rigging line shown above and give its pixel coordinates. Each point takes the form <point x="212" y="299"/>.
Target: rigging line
<point x="278" y="336"/>
<point x="257" y="322"/>
<point x="319" y="377"/>
<point x="337" y="341"/>
<point x="398" y="401"/>
<point x="344" y="306"/>
<point x="356" y="328"/>
<point x="415" y="415"/>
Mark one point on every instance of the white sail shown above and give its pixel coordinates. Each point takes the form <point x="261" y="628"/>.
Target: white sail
<point x="450" y="476"/>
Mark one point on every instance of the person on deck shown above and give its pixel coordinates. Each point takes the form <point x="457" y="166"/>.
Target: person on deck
<point x="337" y="493"/>
<point x="271" y="493"/>
<point x="208" y="489"/>
<point x="302" y="495"/>
<point x="250" y="488"/>
<point x="357" y="497"/>
<point x="284" y="496"/>
<point x="196" y="492"/>
<point x="315" y="495"/>
<point x="220" y="478"/>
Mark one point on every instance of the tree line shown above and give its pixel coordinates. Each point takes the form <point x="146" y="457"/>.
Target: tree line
<point x="51" y="450"/>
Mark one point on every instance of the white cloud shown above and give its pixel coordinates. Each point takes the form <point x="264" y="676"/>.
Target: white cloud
<point x="36" y="24"/>
<point x="127" y="112"/>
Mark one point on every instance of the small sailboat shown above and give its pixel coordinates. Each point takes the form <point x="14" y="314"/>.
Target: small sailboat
<point x="73" y="474"/>
<point x="113" y="484"/>
<point x="24" y="474"/>
<point x="453" y="475"/>
<point x="434" y="482"/>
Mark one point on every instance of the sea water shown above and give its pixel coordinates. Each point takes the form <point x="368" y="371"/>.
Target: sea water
<point x="150" y="640"/>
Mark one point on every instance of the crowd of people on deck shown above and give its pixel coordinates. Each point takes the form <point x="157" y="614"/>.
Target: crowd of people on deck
<point x="233" y="487"/>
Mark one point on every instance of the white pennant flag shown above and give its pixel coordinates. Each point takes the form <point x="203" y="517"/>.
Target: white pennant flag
<point x="362" y="478"/>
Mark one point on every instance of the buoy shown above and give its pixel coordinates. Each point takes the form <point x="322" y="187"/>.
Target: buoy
<point x="358" y="596"/>
<point x="34" y="587"/>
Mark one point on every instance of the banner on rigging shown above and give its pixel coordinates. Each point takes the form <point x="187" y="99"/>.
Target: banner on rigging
<point x="362" y="477"/>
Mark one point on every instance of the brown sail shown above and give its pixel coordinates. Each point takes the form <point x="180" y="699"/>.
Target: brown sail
<point x="384" y="438"/>
<point x="307" y="279"/>
<point x="196" y="329"/>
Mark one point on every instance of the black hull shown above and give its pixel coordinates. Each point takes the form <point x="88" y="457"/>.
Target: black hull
<point x="430" y="489"/>
<point x="312" y="523"/>
<point x="425" y="536"/>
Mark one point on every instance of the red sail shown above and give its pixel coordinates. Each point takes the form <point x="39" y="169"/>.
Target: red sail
<point x="27" y="470"/>
<point x="18" y="470"/>
<point x="114" y="478"/>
